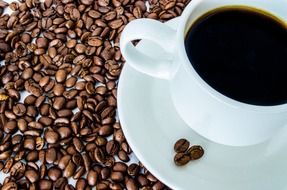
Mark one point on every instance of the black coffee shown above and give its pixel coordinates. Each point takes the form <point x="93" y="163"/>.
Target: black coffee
<point x="242" y="54"/>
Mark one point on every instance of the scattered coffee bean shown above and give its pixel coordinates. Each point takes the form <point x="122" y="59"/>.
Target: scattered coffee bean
<point x="195" y="152"/>
<point x="65" y="55"/>
<point x="186" y="153"/>
<point x="181" y="159"/>
<point x="181" y="145"/>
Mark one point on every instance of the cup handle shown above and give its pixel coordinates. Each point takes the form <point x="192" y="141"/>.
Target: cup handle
<point x="156" y="32"/>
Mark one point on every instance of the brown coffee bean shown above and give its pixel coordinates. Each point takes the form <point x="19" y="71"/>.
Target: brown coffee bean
<point x="119" y="136"/>
<point x="105" y="173"/>
<point x="8" y="165"/>
<point x="35" y="125"/>
<point x="39" y="101"/>
<point x="70" y="82"/>
<point x="142" y="180"/>
<point x="27" y="73"/>
<point x="51" y="136"/>
<point x="123" y="156"/>
<point x="64" y="132"/>
<point x="29" y="143"/>
<point x="22" y="125"/>
<point x="58" y="89"/>
<point x="32" y="156"/>
<point x="181" y="159"/>
<point x="61" y="76"/>
<point x="131" y="184"/>
<point x="133" y="170"/>
<point x="81" y="184"/>
<point x="51" y="155"/>
<point x="106" y="130"/>
<point x="54" y="173"/>
<point x="195" y="152"/>
<point x="158" y="185"/>
<point x="60" y="183"/>
<point x="120" y="167"/>
<point x="99" y="155"/>
<point x="95" y="41"/>
<point x="45" y="184"/>
<point x="44" y="81"/>
<point x="78" y="144"/>
<point x="92" y="177"/>
<point x="63" y="162"/>
<point x="32" y="175"/>
<point x="19" y="109"/>
<point x="65" y="113"/>
<point x="18" y="170"/>
<point x="87" y="161"/>
<point x="181" y="145"/>
<point x="69" y="170"/>
<point x="59" y="102"/>
<point x="112" y="147"/>
<point x="79" y="173"/>
<point x="10" y="186"/>
<point x="10" y="126"/>
<point x="42" y="42"/>
<point x="117" y="176"/>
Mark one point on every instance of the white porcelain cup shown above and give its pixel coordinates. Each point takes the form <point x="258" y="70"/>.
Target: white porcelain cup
<point x="207" y="111"/>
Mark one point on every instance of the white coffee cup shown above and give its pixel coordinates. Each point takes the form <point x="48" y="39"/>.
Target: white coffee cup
<point x="208" y="112"/>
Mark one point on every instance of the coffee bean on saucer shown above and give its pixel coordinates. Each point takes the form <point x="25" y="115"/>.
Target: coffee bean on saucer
<point x="181" y="159"/>
<point x="195" y="152"/>
<point x="181" y="145"/>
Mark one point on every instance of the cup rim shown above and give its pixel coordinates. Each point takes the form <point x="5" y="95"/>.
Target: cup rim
<point x="204" y="85"/>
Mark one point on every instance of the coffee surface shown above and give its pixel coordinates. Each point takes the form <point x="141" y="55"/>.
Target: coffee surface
<point x="242" y="54"/>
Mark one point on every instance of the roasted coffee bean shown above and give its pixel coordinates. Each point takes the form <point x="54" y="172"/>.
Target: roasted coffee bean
<point x="45" y="184"/>
<point x="60" y="183"/>
<point x="92" y="177"/>
<point x="131" y="184"/>
<point x="78" y="144"/>
<point x="29" y="143"/>
<point x="105" y="173"/>
<point x="79" y="173"/>
<point x="181" y="145"/>
<point x="112" y="147"/>
<point x="22" y="125"/>
<point x="64" y="132"/>
<point x="51" y="136"/>
<point x="70" y="169"/>
<point x="18" y="170"/>
<point x="58" y="89"/>
<point x="51" y="155"/>
<point x="32" y="175"/>
<point x="10" y="186"/>
<point x="120" y="167"/>
<point x="32" y="156"/>
<point x="181" y="159"/>
<point x="54" y="173"/>
<point x="117" y="176"/>
<point x="10" y="126"/>
<point x="195" y="152"/>
<point x="133" y="170"/>
<point x="123" y="156"/>
<point x="99" y="155"/>
<point x="61" y="76"/>
<point x="81" y="184"/>
<point x="63" y="162"/>
<point x="19" y="109"/>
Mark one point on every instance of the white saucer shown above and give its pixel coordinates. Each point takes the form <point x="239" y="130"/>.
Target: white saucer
<point x="151" y="126"/>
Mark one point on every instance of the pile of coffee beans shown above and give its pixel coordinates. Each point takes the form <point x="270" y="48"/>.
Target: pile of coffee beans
<point x="64" y="56"/>
<point x="185" y="153"/>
